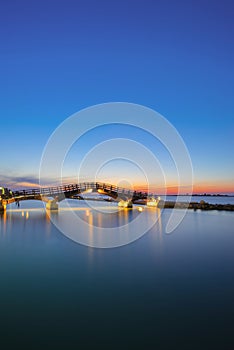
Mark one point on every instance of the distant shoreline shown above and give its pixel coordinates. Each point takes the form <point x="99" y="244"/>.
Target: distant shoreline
<point x="201" y="195"/>
<point x="195" y="206"/>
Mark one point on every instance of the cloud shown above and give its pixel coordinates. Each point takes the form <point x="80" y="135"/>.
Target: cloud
<point x="18" y="182"/>
<point x="30" y="181"/>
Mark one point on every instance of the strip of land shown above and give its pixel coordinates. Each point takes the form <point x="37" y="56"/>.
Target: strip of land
<point x="202" y="205"/>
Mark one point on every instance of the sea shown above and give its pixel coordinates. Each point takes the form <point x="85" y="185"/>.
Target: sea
<point x="159" y="291"/>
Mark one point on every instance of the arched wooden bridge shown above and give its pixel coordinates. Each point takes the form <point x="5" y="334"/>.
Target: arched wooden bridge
<point x="53" y="195"/>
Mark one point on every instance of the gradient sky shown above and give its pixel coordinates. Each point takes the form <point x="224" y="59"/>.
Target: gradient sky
<point x="175" y="57"/>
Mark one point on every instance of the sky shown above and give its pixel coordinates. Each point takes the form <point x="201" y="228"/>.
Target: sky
<point x="176" y="57"/>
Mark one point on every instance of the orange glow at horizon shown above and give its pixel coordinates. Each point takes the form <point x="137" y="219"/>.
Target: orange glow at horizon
<point x="210" y="187"/>
<point x="205" y="187"/>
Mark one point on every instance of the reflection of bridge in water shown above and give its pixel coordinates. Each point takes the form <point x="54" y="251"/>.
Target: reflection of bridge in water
<point x="53" y="195"/>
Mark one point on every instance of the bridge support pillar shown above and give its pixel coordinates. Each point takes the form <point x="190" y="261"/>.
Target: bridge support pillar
<point x="52" y="205"/>
<point x="125" y="204"/>
<point x="2" y="207"/>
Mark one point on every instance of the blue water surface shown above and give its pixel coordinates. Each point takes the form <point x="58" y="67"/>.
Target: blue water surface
<point x="160" y="292"/>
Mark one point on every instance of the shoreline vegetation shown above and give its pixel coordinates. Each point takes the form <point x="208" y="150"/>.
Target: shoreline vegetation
<point x="202" y="205"/>
<point x="202" y="195"/>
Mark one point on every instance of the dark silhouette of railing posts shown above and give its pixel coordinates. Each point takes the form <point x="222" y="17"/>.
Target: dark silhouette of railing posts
<point x="53" y="195"/>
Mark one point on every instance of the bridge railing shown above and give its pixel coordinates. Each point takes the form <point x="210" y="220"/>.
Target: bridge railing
<point x="77" y="188"/>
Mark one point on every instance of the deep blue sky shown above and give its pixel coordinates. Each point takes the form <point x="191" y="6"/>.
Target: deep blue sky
<point x="176" y="57"/>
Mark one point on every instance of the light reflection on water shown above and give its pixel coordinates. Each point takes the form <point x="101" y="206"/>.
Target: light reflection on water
<point x="98" y="215"/>
<point x="180" y="284"/>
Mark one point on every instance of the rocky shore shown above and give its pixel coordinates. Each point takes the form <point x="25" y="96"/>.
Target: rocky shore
<point x="202" y="205"/>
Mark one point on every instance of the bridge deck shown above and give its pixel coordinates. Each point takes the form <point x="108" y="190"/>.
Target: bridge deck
<point x="71" y="190"/>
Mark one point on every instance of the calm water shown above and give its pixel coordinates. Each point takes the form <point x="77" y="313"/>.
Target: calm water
<point x="160" y="292"/>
